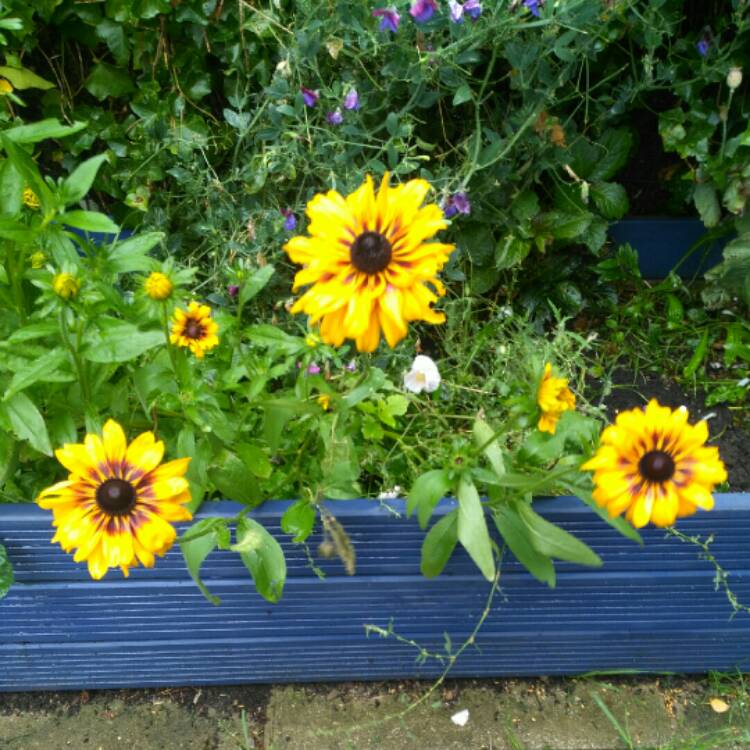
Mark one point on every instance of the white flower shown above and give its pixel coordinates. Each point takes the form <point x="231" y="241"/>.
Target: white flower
<point x="461" y="718"/>
<point x="734" y="78"/>
<point x="391" y="494"/>
<point x="423" y="376"/>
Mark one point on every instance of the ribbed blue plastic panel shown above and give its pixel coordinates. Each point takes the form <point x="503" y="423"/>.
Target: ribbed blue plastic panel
<point x="651" y="608"/>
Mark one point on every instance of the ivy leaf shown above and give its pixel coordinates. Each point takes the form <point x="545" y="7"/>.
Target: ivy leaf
<point x="107" y="80"/>
<point x="263" y="557"/>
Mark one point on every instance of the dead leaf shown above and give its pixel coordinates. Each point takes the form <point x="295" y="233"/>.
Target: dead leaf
<point x="718" y="705"/>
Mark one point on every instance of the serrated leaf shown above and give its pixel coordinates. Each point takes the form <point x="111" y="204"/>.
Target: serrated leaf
<point x="611" y="199"/>
<point x="27" y="422"/>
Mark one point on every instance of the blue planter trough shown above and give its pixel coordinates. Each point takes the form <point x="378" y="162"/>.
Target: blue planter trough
<point x="650" y="609"/>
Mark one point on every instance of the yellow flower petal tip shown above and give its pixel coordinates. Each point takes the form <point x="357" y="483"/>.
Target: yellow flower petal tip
<point x="195" y="329"/>
<point x="30" y="198"/>
<point x="324" y="400"/>
<point x="368" y="265"/>
<point x="118" y="503"/>
<point x="158" y="286"/>
<point x="654" y="466"/>
<point x="553" y="397"/>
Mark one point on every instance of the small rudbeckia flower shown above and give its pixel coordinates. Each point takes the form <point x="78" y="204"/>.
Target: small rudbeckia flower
<point x="389" y="19"/>
<point x="368" y="264"/>
<point x="335" y="117"/>
<point x="194" y="329"/>
<point x="118" y="502"/>
<point x="37" y="259"/>
<point x="290" y="220"/>
<point x="325" y="401"/>
<point x="310" y="97"/>
<point x="423" y="10"/>
<point x="158" y="286"/>
<point x="351" y="100"/>
<point x="65" y="285"/>
<point x="30" y="198"/>
<point x="6" y="87"/>
<point x="423" y="376"/>
<point x="654" y="466"/>
<point x="554" y="397"/>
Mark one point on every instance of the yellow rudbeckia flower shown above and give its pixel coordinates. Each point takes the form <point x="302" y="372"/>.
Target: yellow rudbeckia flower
<point x="117" y="503"/>
<point x="158" y="286"/>
<point x="368" y="264"/>
<point x="195" y="329"/>
<point x="554" y="397"/>
<point x="654" y="466"/>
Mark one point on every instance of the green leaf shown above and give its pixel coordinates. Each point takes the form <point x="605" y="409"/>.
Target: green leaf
<point x="299" y="520"/>
<point x="275" y="339"/>
<point x="27" y="422"/>
<point x="517" y="537"/>
<point x="564" y="226"/>
<point x="611" y="199"/>
<point x="233" y="480"/>
<point x="107" y="80"/>
<point x="198" y="549"/>
<point x="90" y="221"/>
<point x="255" y="283"/>
<point x="276" y="415"/>
<point x="439" y="544"/>
<point x="510" y="251"/>
<point x="425" y="494"/>
<point x="617" y="144"/>
<point x="113" y="35"/>
<point x="14" y="230"/>
<point x="28" y="169"/>
<point x="6" y="572"/>
<point x="119" y="342"/>
<point x="129" y="255"/>
<point x="41" y="368"/>
<point x="553" y="541"/>
<point x="23" y="78"/>
<point x="40" y="131"/>
<point x="80" y="180"/>
<point x="463" y="94"/>
<point x="255" y="459"/>
<point x="263" y="557"/>
<point x="472" y="528"/>
<point x="33" y="331"/>
<point x="11" y="189"/>
<point x="707" y="203"/>
<point x="484" y="438"/>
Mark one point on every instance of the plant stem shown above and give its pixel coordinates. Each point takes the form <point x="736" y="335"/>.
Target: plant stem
<point x="77" y="361"/>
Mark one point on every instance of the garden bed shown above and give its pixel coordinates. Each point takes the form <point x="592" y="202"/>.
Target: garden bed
<point x="650" y="609"/>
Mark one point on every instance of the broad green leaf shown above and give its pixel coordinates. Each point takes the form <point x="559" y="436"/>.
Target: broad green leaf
<point x="438" y="545"/>
<point x="27" y="168"/>
<point x="611" y="199"/>
<point x="510" y="251"/>
<point x="463" y="94"/>
<point x="263" y="557"/>
<point x="517" y="537"/>
<point x="11" y="189"/>
<point x="90" y="221"/>
<point x="485" y="440"/>
<point x="126" y="256"/>
<point x="276" y="415"/>
<point x="707" y="203"/>
<point x="107" y="80"/>
<point x="553" y="541"/>
<point x="374" y="380"/>
<point x="426" y="493"/>
<point x="113" y="35"/>
<point x="472" y="528"/>
<point x="255" y="283"/>
<point x="80" y="180"/>
<point x="34" y="331"/>
<point x="617" y="144"/>
<point x="40" y="131"/>
<point x="299" y="520"/>
<point x="6" y="572"/>
<point x="7" y="457"/>
<point x="568" y="226"/>
<point x="14" y="230"/>
<point x="36" y="370"/>
<point x="27" y="422"/>
<point x="255" y="459"/>
<point x="198" y="549"/>
<point x="119" y="342"/>
<point x="275" y="339"/>
<point x="23" y="78"/>
<point x="233" y="480"/>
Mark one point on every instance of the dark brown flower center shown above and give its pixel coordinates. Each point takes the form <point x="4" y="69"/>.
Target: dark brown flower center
<point x="115" y="497"/>
<point x="371" y="252"/>
<point x="194" y="330"/>
<point x="656" y="466"/>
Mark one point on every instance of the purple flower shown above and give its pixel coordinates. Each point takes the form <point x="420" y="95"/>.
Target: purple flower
<point x="351" y="367"/>
<point x="233" y="290"/>
<point x="290" y="221"/>
<point x="458" y="203"/>
<point x="702" y="47"/>
<point x="313" y="369"/>
<point x="423" y="10"/>
<point x="351" y="100"/>
<point x="533" y="6"/>
<point x="473" y="9"/>
<point x="311" y="97"/>
<point x="389" y="18"/>
<point x="456" y="11"/>
<point x="335" y="117"/>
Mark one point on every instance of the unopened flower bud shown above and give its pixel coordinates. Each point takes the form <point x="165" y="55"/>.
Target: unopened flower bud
<point x="734" y="78"/>
<point x="158" y="286"/>
<point x="65" y="285"/>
